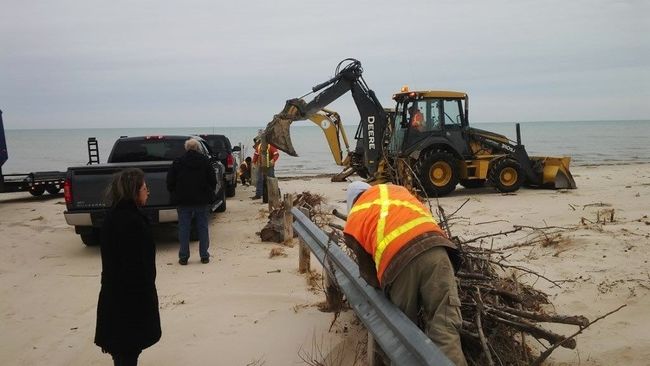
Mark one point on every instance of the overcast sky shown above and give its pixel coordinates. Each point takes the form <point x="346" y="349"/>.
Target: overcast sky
<point x="69" y="64"/>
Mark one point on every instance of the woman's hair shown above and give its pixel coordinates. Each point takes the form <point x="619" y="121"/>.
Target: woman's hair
<point x="125" y="186"/>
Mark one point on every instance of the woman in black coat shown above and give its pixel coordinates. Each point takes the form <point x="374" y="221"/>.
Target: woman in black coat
<point x="127" y="312"/>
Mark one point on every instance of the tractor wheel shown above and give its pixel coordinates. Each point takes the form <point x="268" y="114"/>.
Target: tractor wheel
<point x="472" y="183"/>
<point x="438" y="173"/>
<point x="37" y="190"/>
<point x="506" y="175"/>
<point x="52" y="189"/>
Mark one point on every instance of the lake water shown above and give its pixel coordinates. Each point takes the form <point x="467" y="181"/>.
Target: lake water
<point x="586" y="142"/>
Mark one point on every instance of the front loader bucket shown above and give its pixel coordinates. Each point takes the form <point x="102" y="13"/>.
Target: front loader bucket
<point x="277" y="131"/>
<point x="556" y="172"/>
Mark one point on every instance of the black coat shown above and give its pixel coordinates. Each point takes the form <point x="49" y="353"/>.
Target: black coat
<point x="191" y="180"/>
<point x="127" y="311"/>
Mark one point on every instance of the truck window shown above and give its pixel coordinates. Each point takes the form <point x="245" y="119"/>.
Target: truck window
<point x="147" y="150"/>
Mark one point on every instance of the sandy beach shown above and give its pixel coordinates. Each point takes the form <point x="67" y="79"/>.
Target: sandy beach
<point x="245" y="308"/>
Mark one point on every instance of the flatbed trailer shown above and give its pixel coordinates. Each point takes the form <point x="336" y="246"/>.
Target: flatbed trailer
<point x="35" y="183"/>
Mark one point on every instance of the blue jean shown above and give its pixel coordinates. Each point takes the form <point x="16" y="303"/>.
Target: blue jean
<point x="259" y="187"/>
<point x="200" y="214"/>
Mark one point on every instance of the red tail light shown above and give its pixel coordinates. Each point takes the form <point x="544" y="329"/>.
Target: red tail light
<point x="230" y="161"/>
<point x="67" y="192"/>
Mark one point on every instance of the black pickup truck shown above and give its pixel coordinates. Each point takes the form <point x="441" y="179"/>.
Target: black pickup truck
<point x="85" y="186"/>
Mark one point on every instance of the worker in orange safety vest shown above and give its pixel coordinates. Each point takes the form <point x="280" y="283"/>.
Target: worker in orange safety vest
<point x="417" y="118"/>
<point x="265" y="160"/>
<point x="401" y="249"/>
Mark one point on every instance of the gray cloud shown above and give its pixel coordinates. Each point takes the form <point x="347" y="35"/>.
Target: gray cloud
<point x="161" y="63"/>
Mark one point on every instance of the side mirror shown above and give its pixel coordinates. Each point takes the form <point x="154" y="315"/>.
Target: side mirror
<point x="236" y="148"/>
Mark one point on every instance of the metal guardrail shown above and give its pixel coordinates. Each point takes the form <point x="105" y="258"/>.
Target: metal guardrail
<point x="401" y="340"/>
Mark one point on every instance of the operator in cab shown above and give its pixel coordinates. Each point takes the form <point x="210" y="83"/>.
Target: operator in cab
<point x="401" y="249"/>
<point x="417" y="118"/>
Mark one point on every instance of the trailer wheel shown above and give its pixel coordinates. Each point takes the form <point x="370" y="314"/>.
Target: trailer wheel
<point x="438" y="173"/>
<point x="506" y="175"/>
<point x="52" y="189"/>
<point x="36" y="190"/>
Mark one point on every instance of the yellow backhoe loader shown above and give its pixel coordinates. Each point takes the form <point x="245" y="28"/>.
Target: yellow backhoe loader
<point x="426" y="143"/>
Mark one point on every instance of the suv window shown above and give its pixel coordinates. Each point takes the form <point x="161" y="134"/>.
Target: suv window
<point x="218" y="143"/>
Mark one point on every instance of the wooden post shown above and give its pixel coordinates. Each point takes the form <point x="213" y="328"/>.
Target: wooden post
<point x="304" y="257"/>
<point x="288" y="220"/>
<point x="273" y="193"/>
<point x="333" y="294"/>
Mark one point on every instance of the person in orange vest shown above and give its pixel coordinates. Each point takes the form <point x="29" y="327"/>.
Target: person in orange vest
<point x="265" y="160"/>
<point x="401" y="249"/>
<point x="417" y="118"/>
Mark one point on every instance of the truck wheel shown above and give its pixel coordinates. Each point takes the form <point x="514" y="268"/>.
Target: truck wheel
<point x="91" y="238"/>
<point x="222" y="197"/>
<point x="52" y="189"/>
<point x="438" y="173"/>
<point x="230" y="189"/>
<point x="506" y="175"/>
<point x="472" y="183"/>
<point x="36" y="190"/>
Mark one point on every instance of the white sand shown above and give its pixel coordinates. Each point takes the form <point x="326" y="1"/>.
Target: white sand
<point x="232" y="311"/>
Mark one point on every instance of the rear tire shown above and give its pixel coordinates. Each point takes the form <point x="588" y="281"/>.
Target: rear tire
<point x="37" y="190"/>
<point x="506" y="175"/>
<point x="230" y="189"/>
<point x="438" y="173"/>
<point x="472" y="183"/>
<point x="91" y="238"/>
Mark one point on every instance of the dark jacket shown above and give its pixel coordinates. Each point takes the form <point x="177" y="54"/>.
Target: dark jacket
<point x="191" y="180"/>
<point x="127" y="311"/>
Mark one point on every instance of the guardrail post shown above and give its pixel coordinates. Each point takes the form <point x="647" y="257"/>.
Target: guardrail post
<point x="333" y="294"/>
<point x="273" y="193"/>
<point x="287" y="224"/>
<point x="304" y="257"/>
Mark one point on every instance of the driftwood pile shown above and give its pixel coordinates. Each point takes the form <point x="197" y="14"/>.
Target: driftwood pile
<point x="502" y="316"/>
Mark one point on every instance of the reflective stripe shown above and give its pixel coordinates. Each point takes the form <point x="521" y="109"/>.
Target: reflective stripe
<point x="383" y="213"/>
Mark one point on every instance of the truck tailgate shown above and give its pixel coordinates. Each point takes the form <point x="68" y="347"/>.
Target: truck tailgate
<point x="85" y="181"/>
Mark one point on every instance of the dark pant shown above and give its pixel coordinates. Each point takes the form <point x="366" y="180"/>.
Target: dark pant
<point x="200" y="214"/>
<point x="126" y="358"/>
<point x="259" y="187"/>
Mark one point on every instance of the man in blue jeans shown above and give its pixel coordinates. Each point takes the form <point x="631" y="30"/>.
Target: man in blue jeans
<point x="191" y="180"/>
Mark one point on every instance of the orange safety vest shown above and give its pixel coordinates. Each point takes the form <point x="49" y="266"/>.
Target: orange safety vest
<point x="270" y="151"/>
<point x="384" y="219"/>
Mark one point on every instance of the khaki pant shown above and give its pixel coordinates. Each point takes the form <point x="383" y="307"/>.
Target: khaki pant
<point x="428" y="283"/>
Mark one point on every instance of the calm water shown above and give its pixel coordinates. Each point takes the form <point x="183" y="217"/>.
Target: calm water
<point x="593" y="142"/>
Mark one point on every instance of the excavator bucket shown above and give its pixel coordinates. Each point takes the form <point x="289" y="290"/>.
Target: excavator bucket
<point x="277" y="131"/>
<point x="555" y="172"/>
